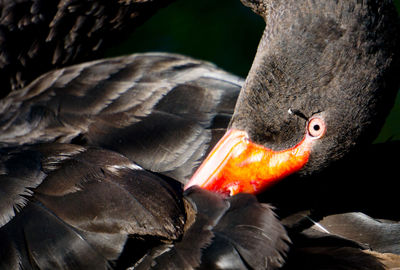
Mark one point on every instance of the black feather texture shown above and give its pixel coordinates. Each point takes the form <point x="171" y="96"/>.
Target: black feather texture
<point x="144" y="106"/>
<point x="37" y="36"/>
<point x="379" y="235"/>
<point x="84" y="209"/>
<point x="316" y="250"/>
<point x="232" y="233"/>
<point x="20" y="173"/>
<point x="71" y="206"/>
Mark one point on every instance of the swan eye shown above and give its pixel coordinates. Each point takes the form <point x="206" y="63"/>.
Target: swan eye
<point x="316" y="127"/>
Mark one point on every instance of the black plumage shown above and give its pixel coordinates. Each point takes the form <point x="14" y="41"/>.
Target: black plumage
<point x="337" y="61"/>
<point x="98" y="201"/>
<point x="143" y="106"/>
<point x="379" y="235"/>
<point x="37" y="36"/>
<point x="315" y="250"/>
<point x="91" y="204"/>
<point x="39" y="97"/>
<point x="228" y="237"/>
<point x="91" y="200"/>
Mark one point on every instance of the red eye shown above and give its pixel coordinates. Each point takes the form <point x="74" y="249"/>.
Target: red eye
<point x="316" y="127"/>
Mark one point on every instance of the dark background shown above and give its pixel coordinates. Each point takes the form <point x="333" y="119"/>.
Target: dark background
<point x="221" y="31"/>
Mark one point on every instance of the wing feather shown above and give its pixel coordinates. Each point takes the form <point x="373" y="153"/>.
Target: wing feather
<point x="160" y="110"/>
<point x="233" y="233"/>
<point x="82" y="206"/>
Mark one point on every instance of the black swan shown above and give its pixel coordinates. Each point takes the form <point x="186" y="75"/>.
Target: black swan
<point x="143" y="107"/>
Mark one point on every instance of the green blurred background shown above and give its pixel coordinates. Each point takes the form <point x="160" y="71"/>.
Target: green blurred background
<point x="224" y="32"/>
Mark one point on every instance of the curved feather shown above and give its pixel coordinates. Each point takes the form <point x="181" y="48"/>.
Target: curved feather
<point x="379" y="235"/>
<point x="156" y="109"/>
<point x="315" y="250"/>
<point x="19" y="174"/>
<point x="83" y="205"/>
<point x="232" y="233"/>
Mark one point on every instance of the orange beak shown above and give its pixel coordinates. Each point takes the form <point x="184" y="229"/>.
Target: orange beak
<point x="237" y="165"/>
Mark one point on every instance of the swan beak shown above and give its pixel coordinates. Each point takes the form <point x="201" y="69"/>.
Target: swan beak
<point x="238" y="165"/>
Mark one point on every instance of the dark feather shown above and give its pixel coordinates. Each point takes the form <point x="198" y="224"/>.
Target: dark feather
<point x="85" y="202"/>
<point x="253" y="231"/>
<point x="86" y="205"/>
<point x="144" y="106"/>
<point x="235" y="233"/>
<point x="315" y="250"/>
<point x="39" y="35"/>
<point x="379" y="235"/>
<point x="41" y="240"/>
<point x="341" y="241"/>
<point x="19" y="174"/>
